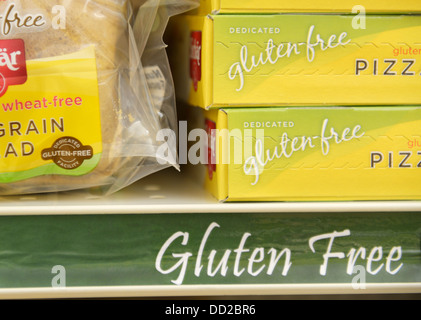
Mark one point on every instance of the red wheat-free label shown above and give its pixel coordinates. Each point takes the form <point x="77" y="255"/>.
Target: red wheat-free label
<point x="12" y="64"/>
<point x="196" y="58"/>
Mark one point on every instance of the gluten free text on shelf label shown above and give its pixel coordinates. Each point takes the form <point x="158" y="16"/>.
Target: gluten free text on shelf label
<point x="243" y="260"/>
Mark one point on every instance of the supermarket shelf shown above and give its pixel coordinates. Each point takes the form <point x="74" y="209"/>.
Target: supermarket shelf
<point x="112" y="246"/>
<point x="207" y="291"/>
<point x="172" y="192"/>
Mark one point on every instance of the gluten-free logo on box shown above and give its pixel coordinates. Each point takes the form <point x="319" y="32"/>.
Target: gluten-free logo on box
<point x="196" y="58"/>
<point x="12" y="64"/>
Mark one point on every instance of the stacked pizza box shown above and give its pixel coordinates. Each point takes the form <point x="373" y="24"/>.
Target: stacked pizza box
<point x="305" y="100"/>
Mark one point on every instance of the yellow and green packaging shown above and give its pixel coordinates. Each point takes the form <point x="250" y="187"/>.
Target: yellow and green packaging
<point x="297" y="60"/>
<point x="314" y="154"/>
<point x="274" y="6"/>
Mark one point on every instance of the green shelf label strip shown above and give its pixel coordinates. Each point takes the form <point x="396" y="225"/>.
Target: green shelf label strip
<point x="176" y="250"/>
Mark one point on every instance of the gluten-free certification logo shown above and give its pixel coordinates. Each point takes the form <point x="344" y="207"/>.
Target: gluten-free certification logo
<point x="68" y="153"/>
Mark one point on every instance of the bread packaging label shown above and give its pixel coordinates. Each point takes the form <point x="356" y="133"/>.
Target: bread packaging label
<point x="46" y="104"/>
<point x="314" y="154"/>
<point x="44" y="115"/>
<point x="274" y="6"/>
<point x="298" y="59"/>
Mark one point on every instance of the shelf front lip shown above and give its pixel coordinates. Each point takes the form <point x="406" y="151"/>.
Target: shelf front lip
<point x="209" y="291"/>
<point x="309" y="207"/>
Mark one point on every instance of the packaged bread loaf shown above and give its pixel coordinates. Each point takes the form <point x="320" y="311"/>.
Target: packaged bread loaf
<point x="78" y="106"/>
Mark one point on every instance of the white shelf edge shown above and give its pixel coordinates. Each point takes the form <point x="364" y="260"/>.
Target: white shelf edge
<point x="171" y="192"/>
<point x="208" y="291"/>
<point x="310" y="207"/>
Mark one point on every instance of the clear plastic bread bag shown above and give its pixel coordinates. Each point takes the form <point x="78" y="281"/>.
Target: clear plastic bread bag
<point x="85" y="94"/>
